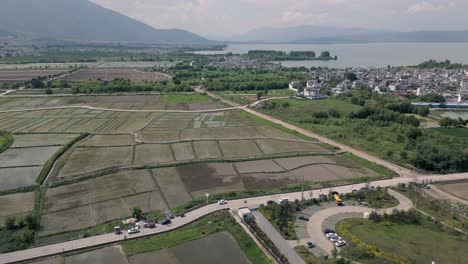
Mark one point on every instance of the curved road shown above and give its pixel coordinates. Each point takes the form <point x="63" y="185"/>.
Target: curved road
<point x="314" y="226"/>
<point x="194" y="215"/>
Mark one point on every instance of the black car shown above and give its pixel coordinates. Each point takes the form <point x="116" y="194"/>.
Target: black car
<point x="304" y="218"/>
<point x="329" y="231"/>
<point x="166" y="222"/>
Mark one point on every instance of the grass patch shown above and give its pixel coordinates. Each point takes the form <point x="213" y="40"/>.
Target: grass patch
<point x="6" y="140"/>
<point x="282" y="128"/>
<point x="183" y="98"/>
<point x="372" y="166"/>
<point x="50" y="163"/>
<point x="214" y="223"/>
<point x="403" y="243"/>
<point x="307" y="256"/>
<point x="455" y="132"/>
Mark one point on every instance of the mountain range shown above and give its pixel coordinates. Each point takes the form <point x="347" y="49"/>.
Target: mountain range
<point x="83" y="21"/>
<point x="309" y="34"/>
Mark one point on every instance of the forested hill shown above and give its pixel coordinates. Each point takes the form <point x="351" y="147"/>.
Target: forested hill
<point x="83" y="21"/>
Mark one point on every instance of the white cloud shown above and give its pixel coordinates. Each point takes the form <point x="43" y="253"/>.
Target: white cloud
<point x="427" y="7"/>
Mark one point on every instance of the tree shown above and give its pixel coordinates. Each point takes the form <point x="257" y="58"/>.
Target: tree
<point x="137" y="212"/>
<point x="36" y="83"/>
<point x="350" y="76"/>
<point x="10" y="223"/>
<point x="259" y="95"/>
<point x="32" y="222"/>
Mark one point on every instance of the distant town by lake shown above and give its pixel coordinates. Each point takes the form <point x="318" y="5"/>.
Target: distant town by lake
<point x="363" y="55"/>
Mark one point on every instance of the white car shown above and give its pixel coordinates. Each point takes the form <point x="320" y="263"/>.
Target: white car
<point x="335" y="239"/>
<point x="340" y="243"/>
<point x="330" y="235"/>
<point x="283" y="200"/>
<point x="133" y="231"/>
<point x="221" y="202"/>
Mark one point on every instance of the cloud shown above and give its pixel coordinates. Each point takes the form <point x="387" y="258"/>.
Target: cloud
<point x="231" y="17"/>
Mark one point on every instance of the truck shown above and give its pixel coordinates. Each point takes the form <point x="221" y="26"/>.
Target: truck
<point x="338" y="200"/>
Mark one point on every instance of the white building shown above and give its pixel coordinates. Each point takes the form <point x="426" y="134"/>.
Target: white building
<point x="313" y="90"/>
<point x="244" y="213"/>
<point x="295" y="86"/>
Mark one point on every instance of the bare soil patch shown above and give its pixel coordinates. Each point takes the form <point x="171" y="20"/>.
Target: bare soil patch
<point x="111" y="254"/>
<point x="15" y="205"/>
<point x="133" y="75"/>
<point x="457" y="189"/>
<point x="258" y="166"/>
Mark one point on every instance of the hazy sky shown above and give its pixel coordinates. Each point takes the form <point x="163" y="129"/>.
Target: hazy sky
<point x="230" y="17"/>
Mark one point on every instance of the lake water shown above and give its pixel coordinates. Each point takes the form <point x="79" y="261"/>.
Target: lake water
<point x="364" y="55"/>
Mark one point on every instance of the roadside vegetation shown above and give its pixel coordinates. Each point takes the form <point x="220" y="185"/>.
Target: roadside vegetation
<point x="216" y="222"/>
<point x="402" y="237"/>
<point x="6" y="140"/>
<point x="378" y="124"/>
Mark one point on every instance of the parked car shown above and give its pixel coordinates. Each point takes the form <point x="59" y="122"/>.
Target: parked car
<point x="330" y="235"/>
<point x="170" y="216"/>
<point x="340" y="243"/>
<point x="310" y="244"/>
<point x="166" y="222"/>
<point x="303" y="218"/>
<point x="150" y="224"/>
<point x="283" y="200"/>
<point x="133" y="231"/>
<point x="322" y="196"/>
<point x="335" y="239"/>
<point x="329" y="231"/>
<point x="270" y="202"/>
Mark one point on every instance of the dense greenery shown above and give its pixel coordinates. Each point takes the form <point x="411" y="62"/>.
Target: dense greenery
<point x="282" y="216"/>
<point x="401" y="238"/>
<point x="6" y="140"/>
<point x="122" y="85"/>
<point x="432" y="98"/>
<point x="443" y="64"/>
<point x="375" y="198"/>
<point x="383" y="125"/>
<point x="217" y="222"/>
<point x="274" y="55"/>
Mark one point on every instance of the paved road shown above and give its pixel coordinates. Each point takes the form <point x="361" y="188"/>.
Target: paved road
<point x="280" y="243"/>
<point x="314" y="226"/>
<point x="59" y="248"/>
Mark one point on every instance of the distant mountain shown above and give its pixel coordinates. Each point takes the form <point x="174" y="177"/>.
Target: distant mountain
<point x="292" y="34"/>
<point x="333" y="35"/>
<point x="83" y="21"/>
<point x="416" y="36"/>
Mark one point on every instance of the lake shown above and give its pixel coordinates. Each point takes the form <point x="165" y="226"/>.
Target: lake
<point x="364" y="55"/>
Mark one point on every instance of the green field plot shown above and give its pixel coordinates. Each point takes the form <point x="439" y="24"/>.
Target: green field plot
<point x="217" y="248"/>
<point x="108" y="140"/>
<point x="153" y="154"/>
<point x="272" y="146"/>
<point x="207" y="149"/>
<point x="171" y="186"/>
<point x="112" y="254"/>
<point x="258" y="166"/>
<point x="36" y="140"/>
<point x="112" y="186"/>
<point x="456" y="132"/>
<point x="20" y="177"/>
<point x="156" y="135"/>
<point x="36" y="156"/>
<point x="67" y="220"/>
<point x="406" y="243"/>
<point x="204" y="228"/>
<point x="183" y="151"/>
<point x="15" y="205"/>
<point x="6" y="140"/>
<point x="84" y="160"/>
<point x="239" y="148"/>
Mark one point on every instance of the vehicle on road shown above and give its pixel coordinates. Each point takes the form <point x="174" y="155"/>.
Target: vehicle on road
<point x="166" y="222"/>
<point x="270" y="202"/>
<point x="150" y="224"/>
<point x="340" y="243"/>
<point x="221" y="202"/>
<point x="338" y="199"/>
<point x="117" y="230"/>
<point x="329" y="231"/>
<point x="133" y="231"/>
<point x="283" y="200"/>
<point x="310" y="244"/>
<point x="170" y="216"/>
<point x="303" y="218"/>
<point x="331" y="234"/>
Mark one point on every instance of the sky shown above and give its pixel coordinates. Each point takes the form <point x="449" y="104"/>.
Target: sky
<point x="232" y="17"/>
